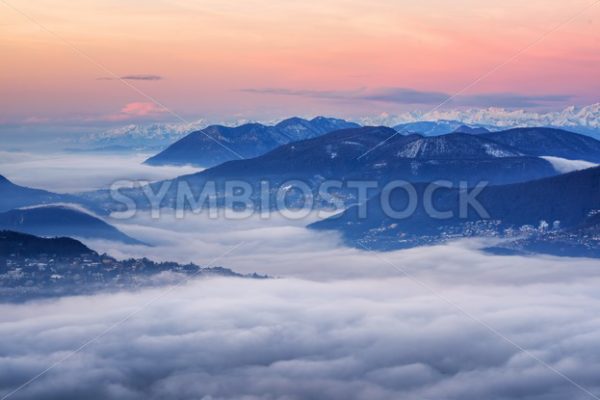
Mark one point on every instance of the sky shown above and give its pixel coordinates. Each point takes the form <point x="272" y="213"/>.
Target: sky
<point x="103" y="63"/>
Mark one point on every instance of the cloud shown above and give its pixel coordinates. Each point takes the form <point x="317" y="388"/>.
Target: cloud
<point x="36" y="120"/>
<point x="279" y="246"/>
<point x="76" y="172"/>
<point x="134" y="77"/>
<point x="339" y="323"/>
<point x="323" y="94"/>
<point x="140" y="109"/>
<point x="288" y="338"/>
<point x="406" y="96"/>
<point x="512" y="100"/>
<point x="413" y="96"/>
<point x="563" y="165"/>
<point x="136" y="110"/>
<point x="142" y="77"/>
<point x="393" y="95"/>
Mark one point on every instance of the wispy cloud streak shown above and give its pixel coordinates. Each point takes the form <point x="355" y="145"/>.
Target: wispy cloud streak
<point x="134" y="77"/>
<point x="398" y="95"/>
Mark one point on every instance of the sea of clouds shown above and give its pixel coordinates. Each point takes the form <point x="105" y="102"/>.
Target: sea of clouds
<point x="78" y="172"/>
<point x="230" y="338"/>
<point x="441" y="322"/>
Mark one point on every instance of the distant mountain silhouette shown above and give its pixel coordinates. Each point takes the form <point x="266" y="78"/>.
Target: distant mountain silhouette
<point x="217" y="144"/>
<point x="61" y="221"/>
<point x="568" y="201"/>
<point x="368" y="153"/>
<point x="341" y="155"/>
<point x="549" y="142"/>
<point x="24" y="245"/>
<point x="15" y="196"/>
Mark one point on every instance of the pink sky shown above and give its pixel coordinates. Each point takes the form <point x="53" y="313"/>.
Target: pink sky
<point x="342" y="57"/>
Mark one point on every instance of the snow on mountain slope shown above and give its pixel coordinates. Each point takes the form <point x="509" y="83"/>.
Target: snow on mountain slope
<point x="456" y="145"/>
<point x="585" y="120"/>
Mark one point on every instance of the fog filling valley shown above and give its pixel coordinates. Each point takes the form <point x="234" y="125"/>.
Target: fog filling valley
<point x="291" y="338"/>
<point x="74" y="172"/>
<point x="446" y="321"/>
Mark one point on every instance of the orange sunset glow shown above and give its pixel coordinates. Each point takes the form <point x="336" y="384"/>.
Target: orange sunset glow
<point x="260" y="59"/>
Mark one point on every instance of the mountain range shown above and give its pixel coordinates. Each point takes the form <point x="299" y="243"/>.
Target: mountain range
<point x="584" y="120"/>
<point x="217" y="144"/>
<point x="549" y="142"/>
<point x="561" y="203"/>
<point x="157" y="136"/>
<point x="378" y="154"/>
<point x="135" y="137"/>
<point x="440" y="127"/>
<point x="315" y="151"/>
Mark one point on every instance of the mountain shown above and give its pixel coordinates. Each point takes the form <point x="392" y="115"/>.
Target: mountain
<point x="24" y="245"/>
<point x="135" y="137"/>
<point x="549" y="142"/>
<point x="477" y="130"/>
<point x="299" y="129"/>
<point x="565" y="203"/>
<point x="217" y="144"/>
<point x="15" y="196"/>
<point x="342" y="155"/>
<point x="584" y="120"/>
<point x="455" y="146"/>
<point x="61" y="221"/>
<point x="377" y="154"/>
<point x="436" y="128"/>
<point x="428" y="128"/>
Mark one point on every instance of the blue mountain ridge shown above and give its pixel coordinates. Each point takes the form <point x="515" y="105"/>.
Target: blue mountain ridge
<point x="217" y="144"/>
<point x="377" y="154"/>
<point x="61" y="221"/>
<point x="566" y="203"/>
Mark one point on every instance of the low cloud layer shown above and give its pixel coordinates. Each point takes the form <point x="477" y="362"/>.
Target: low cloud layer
<point x="286" y="248"/>
<point x="563" y="165"/>
<point x="287" y="338"/>
<point x="337" y="323"/>
<point x="76" y="172"/>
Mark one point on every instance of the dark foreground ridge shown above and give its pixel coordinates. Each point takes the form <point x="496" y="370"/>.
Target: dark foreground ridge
<point x="32" y="267"/>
